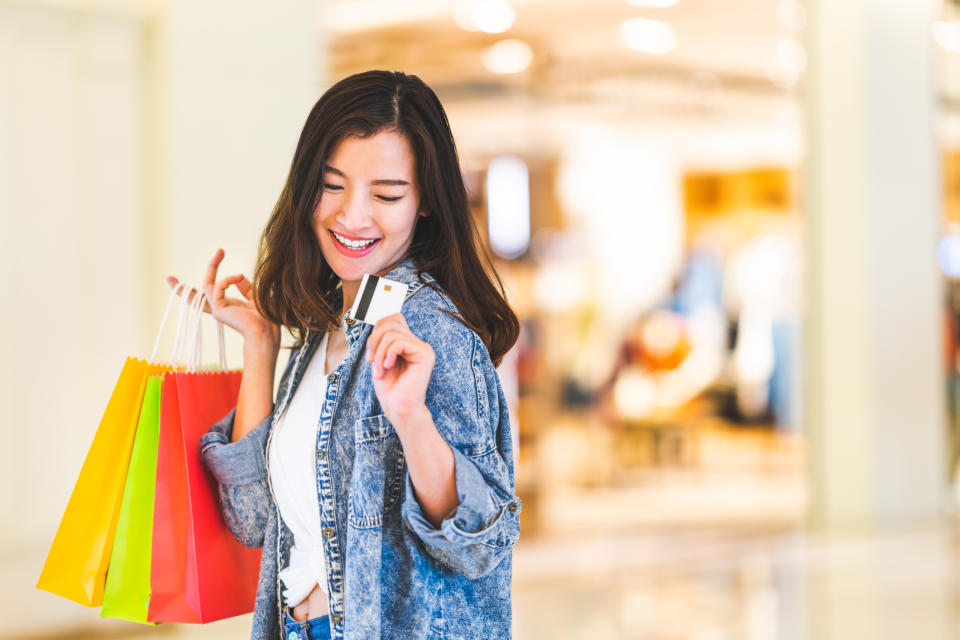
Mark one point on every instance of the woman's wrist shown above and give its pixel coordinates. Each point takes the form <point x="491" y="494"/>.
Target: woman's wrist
<point x="417" y="419"/>
<point x="255" y="401"/>
<point x="261" y="346"/>
<point x="263" y="333"/>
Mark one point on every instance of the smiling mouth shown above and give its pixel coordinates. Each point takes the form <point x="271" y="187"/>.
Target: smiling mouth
<point x="354" y="245"/>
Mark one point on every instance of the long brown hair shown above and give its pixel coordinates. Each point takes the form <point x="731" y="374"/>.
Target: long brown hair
<point x="293" y="284"/>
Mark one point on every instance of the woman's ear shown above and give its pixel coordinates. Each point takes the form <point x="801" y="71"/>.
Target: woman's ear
<point x="422" y="213"/>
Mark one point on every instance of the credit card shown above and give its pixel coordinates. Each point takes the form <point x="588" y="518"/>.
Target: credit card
<point x="377" y="297"/>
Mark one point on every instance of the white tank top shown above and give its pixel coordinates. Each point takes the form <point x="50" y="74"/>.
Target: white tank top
<point x="292" y="459"/>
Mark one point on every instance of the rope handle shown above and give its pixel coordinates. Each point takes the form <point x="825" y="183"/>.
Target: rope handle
<point x="187" y="352"/>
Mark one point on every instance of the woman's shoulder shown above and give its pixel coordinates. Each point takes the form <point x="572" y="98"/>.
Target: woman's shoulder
<point x="430" y="308"/>
<point x="433" y="317"/>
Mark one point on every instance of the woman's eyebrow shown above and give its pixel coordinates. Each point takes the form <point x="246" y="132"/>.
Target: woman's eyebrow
<point x="381" y="181"/>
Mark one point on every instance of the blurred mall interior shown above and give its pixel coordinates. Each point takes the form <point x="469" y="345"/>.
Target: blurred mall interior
<point x="731" y="232"/>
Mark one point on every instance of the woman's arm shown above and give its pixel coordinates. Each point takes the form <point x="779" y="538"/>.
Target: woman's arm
<point x="432" y="467"/>
<point x="240" y="470"/>
<point x="459" y="495"/>
<point x="255" y="401"/>
<point x="402" y="365"/>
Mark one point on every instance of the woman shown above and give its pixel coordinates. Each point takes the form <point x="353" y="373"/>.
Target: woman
<point x="380" y="485"/>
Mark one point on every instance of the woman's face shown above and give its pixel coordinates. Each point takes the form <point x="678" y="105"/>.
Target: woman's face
<point x="364" y="222"/>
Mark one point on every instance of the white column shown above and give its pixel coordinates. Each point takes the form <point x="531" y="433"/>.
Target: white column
<point x="874" y="382"/>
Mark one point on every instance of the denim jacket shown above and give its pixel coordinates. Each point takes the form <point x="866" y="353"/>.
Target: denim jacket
<point x="390" y="573"/>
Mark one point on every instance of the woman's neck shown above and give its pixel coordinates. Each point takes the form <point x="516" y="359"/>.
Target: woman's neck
<point x="350" y="288"/>
<point x="349" y="294"/>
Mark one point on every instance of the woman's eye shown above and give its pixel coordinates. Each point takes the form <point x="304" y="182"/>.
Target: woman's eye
<point x="332" y="187"/>
<point x="389" y="198"/>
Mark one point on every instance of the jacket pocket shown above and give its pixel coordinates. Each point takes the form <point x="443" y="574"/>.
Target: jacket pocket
<point x="377" y="476"/>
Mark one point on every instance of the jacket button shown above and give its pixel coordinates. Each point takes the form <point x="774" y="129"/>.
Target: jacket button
<point x="331" y="377"/>
<point x="336" y="618"/>
<point x="321" y="454"/>
<point x="512" y="508"/>
<point x="328" y="532"/>
<point x="348" y="320"/>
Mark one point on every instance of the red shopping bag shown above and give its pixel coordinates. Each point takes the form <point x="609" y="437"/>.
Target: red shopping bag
<point x="199" y="572"/>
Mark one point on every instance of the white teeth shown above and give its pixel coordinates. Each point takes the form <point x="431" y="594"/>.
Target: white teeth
<point x="354" y="244"/>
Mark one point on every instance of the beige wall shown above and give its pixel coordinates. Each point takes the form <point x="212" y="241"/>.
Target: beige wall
<point x="135" y="139"/>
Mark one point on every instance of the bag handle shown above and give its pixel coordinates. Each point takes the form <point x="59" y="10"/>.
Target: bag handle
<point x="188" y="323"/>
<point x="179" y="341"/>
<point x="195" y="348"/>
<point x="163" y="321"/>
<point x="220" y="347"/>
<point x="221" y="351"/>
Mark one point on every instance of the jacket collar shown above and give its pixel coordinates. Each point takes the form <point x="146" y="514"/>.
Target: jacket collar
<point x="406" y="273"/>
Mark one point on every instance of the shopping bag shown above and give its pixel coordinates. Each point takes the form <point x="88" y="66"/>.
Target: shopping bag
<point x="76" y="565"/>
<point x="199" y="572"/>
<point x="127" y="592"/>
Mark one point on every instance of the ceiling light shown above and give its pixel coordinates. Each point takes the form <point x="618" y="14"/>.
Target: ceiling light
<point x="463" y="15"/>
<point x="791" y="56"/>
<point x="653" y="4"/>
<point x="792" y="14"/>
<point x="948" y="255"/>
<point x="787" y="62"/>
<point x="489" y="16"/>
<point x="508" y="206"/>
<point x="648" y="36"/>
<point x="508" y="56"/>
<point x="947" y="35"/>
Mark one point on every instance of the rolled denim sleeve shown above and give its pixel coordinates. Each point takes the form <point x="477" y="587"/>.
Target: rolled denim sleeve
<point x="241" y="473"/>
<point x="472" y="418"/>
<point x="474" y="538"/>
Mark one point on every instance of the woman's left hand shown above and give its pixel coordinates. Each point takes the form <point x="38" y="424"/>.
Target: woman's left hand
<point x="402" y="364"/>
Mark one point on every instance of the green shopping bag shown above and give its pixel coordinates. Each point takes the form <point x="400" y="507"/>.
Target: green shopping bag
<point x="127" y="591"/>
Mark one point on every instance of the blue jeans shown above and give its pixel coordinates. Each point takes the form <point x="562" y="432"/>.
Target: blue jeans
<point x="312" y="629"/>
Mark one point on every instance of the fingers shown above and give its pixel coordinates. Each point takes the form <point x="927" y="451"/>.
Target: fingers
<point x="209" y="279"/>
<point x="174" y="282"/>
<point x="215" y="291"/>
<point x="397" y="348"/>
<point x="244" y="286"/>
<point x="384" y="324"/>
<point x="393" y="344"/>
<point x="212" y="266"/>
<point x="219" y="290"/>
<point x="379" y="357"/>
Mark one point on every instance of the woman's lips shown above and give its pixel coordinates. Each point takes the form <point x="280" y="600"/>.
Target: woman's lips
<point x="350" y="251"/>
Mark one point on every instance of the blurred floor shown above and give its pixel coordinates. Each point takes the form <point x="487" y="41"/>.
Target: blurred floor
<point x="742" y="584"/>
<point x="714" y="583"/>
<point x="709" y="546"/>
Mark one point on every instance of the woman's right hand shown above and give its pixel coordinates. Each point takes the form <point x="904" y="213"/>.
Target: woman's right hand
<point x="240" y="314"/>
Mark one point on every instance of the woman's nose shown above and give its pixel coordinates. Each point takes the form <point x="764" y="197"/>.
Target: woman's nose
<point x="355" y="213"/>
